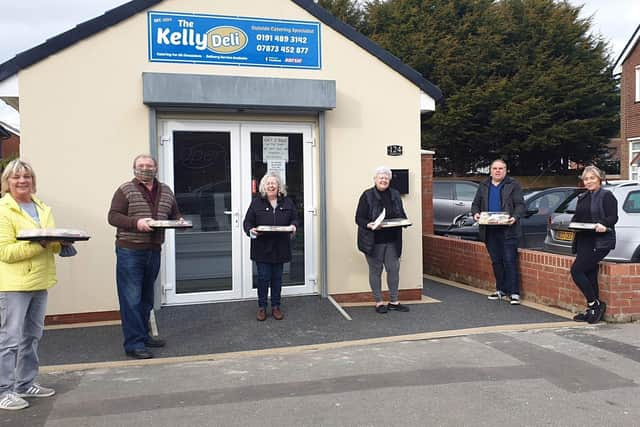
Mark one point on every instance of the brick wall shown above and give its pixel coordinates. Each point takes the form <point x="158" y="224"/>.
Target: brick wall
<point x="10" y="147"/>
<point x="545" y="278"/>
<point x="427" y="192"/>
<point x="629" y="108"/>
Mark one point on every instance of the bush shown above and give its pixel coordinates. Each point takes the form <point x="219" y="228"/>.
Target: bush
<point x="3" y="162"/>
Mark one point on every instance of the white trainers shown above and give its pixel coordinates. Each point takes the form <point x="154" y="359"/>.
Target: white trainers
<point x="515" y="299"/>
<point x="12" y="402"/>
<point x="498" y="295"/>
<point x="36" y="390"/>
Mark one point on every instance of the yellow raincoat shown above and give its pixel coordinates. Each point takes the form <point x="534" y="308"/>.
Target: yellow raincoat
<point x="24" y="265"/>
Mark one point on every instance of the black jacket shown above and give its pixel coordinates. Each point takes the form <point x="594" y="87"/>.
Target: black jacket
<point x="607" y="216"/>
<point x="271" y="247"/>
<point x="512" y="203"/>
<point x="369" y="207"/>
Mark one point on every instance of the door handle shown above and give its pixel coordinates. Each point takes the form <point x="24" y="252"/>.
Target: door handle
<point x="236" y="217"/>
<point x="459" y="203"/>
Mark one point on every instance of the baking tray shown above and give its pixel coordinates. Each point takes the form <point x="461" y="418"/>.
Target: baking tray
<point x="275" y="228"/>
<point x="493" y="218"/>
<point x="582" y="226"/>
<point x="167" y="223"/>
<point x="53" y="234"/>
<point x="395" y="222"/>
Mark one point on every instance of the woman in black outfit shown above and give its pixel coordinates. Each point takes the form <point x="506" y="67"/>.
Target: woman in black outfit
<point x="382" y="246"/>
<point x="269" y="249"/>
<point x="598" y="206"/>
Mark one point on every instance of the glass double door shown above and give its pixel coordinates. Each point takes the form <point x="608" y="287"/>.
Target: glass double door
<point x="215" y="169"/>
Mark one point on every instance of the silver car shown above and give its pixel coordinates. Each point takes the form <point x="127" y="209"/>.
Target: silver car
<point x="450" y="199"/>
<point x="559" y="236"/>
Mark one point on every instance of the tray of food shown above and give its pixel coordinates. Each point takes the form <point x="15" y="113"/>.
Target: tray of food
<point x="170" y="223"/>
<point x="395" y="222"/>
<point x="53" y="234"/>
<point x="582" y="226"/>
<point x="275" y="228"/>
<point x="494" y="218"/>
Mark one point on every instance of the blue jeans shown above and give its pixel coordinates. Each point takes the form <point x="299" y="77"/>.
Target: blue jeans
<point x="22" y="320"/>
<point x="269" y="274"/>
<point x="504" y="258"/>
<point x="136" y="272"/>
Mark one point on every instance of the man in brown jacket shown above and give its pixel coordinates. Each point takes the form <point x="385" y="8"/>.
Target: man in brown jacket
<point x="138" y="246"/>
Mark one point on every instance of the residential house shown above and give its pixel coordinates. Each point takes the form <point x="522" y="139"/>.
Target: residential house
<point x="628" y="67"/>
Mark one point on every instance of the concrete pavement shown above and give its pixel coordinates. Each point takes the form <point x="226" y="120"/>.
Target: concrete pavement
<point x="547" y="372"/>
<point x="582" y="376"/>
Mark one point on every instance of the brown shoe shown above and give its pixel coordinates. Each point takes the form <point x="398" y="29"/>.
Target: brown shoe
<point x="277" y="314"/>
<point x="261" y="316"/>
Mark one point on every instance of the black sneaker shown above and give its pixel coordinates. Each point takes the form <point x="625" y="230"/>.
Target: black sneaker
<point x="596" y="313"/>
<point x="381" y="309"/>
<point x="398" y="307"/>
<point x="154" y="342"/>
<point x="140" y="353"/>
<point x="581" y="317"/>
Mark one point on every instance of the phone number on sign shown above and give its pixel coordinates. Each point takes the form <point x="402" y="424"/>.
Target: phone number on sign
<point x="283" y="49"/>
<point x="281" y="39"/>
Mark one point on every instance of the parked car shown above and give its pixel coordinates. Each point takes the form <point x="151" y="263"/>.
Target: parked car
<point x="539" y="204"/>
<point x="450" y="199"/>
<point x="560" y="237"/>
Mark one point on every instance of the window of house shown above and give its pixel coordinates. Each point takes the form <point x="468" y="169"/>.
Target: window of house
<point x="637" y="83"/>
<point x="635" y="156"/>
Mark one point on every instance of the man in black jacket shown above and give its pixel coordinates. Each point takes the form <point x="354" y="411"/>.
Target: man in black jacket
<point x="500" y="193"/>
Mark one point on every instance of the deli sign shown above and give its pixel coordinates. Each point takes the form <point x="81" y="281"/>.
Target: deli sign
<point x="211" y="39"/>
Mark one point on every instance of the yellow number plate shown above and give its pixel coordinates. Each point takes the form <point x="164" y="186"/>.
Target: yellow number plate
<point x="564" y="235"/>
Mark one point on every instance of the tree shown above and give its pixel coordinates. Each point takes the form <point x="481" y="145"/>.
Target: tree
<point x="348" y="11"/>
<point x="523" y="79"/>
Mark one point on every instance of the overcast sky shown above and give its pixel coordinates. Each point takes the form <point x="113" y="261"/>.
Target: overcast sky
<point x="27" y="23"/>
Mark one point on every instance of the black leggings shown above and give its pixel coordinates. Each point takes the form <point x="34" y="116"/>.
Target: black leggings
<point x="584" y="270"/>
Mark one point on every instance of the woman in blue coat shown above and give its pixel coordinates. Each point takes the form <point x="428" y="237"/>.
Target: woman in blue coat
<point x="269" y="249"/>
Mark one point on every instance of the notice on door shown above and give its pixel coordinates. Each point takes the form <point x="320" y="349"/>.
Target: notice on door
<point x="275" y="153"/>
<point x="275" y="148"/>
<point x="278" y="167"/>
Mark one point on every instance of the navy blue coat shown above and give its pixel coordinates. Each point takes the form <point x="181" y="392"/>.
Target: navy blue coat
<point x="271" y="247"/>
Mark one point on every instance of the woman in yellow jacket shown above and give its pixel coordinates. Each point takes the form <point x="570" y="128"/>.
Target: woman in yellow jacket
<point x="27" y="270"/>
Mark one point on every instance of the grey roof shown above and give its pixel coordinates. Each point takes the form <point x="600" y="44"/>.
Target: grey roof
<point x="120" y="13"/>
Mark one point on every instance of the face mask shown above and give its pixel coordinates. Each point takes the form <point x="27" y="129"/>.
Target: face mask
<point x="145" y="175"/>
